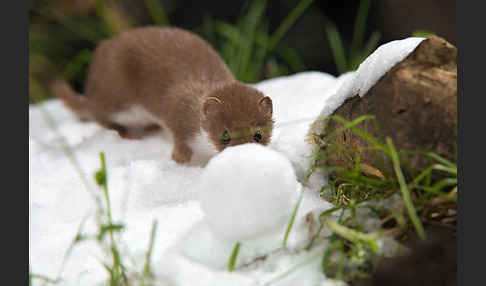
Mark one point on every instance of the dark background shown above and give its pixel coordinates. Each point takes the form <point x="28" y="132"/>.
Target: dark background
<point x="56" y="25"/>
<point x="395" y="19"/>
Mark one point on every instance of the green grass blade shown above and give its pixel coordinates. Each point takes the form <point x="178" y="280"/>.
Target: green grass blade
<point x="446" y="169"/>
<point x="230" y="32"/>
<point x="68" y="152"/>
<point x="336" y="46"/>
<point x="350" y="124"/>
<point x="248" y="25"/>
<point x="321" y="225"/>
<point x="326" y="258"/>
<point x="37" y="91"/>
<point x="75" y="66"/>
<point x="292" y="58"/>
<point x="43" y="278"/>
<point x="102" y="179"/>
<point x="230" y="46"/>
<point x="102" y="11"/>
<point x="156" y="10"/>
<point x="438" y="187"/>
<point x="104" y="182"/>
<point x="288" y="22"/>
<point x="208" y="29"/>
<point x="234" y="255"/>
<point x="444" y="183"/>
<point x="293" y="269"/>
<point x="329" y="211"/>
<point x="405" y="191"/>
<point x="357" y="58"/>
<point x="361" y="133"/>
<point x="359" y="27"/>
<point x="292" y="219"/>
<point x="146" y="269"/>
<point x="371" y="44"/>
<point x="82" y="29"/>
<point x="260" y="54"/>
<point x="432" y="155"/>
<point x="314" y="237"/>
<point x="422" y="33"/>
<point x="355" y="236"/>
<point x="427" y="173"/>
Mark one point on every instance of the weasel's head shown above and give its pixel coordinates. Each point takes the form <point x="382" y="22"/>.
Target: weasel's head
<point x="236" y="114"/>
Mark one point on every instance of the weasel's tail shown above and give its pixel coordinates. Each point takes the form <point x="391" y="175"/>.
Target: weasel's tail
<point x="61" y="89"/>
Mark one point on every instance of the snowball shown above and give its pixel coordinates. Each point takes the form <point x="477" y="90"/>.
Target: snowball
<point x="248" y="191"/>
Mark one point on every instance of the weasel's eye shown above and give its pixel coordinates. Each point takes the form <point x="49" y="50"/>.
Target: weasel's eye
<point x="225" y="137"/>
<point x="257" y="137"/>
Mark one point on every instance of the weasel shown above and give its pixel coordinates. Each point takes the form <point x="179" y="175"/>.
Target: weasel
<point x="150" y="78"/>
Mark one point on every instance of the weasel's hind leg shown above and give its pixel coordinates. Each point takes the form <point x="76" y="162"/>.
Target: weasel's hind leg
<point x="152" y="128"/>
<point x="132" y="123"/>
<point x="134" y="132"/>
<point x="125" y="132"/>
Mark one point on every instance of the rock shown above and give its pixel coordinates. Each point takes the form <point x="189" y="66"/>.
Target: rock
<point x="414" y="103"/>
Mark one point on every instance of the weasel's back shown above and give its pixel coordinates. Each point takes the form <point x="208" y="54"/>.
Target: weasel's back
<point x="143" y="59"/>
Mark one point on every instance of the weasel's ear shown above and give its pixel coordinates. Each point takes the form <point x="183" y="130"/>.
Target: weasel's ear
<point x="265" y="105"/>
<point x="210" y="105"/>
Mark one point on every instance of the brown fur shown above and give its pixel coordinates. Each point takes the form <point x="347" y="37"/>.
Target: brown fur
<point x="180" y="80"/>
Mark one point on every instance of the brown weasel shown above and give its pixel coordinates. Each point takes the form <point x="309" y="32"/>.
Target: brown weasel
<point x="147" y="78"/>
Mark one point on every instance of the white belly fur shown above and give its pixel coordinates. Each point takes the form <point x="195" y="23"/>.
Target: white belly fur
<point x="138" y="117"/>
<point x="201" y="145"/>
<point x="135" y="116"/>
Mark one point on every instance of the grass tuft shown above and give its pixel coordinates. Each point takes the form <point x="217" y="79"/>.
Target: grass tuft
<point x="247" y="46"/>
<point x="116" y="270"/>
<point x="353" y="253"/>
<point x="349" y="58"/>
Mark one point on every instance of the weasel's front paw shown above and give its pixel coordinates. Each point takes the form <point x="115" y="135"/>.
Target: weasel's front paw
<point x="182" y="154"/>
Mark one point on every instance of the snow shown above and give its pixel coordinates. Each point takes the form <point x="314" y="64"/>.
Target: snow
<point x="192" y="242"/>
<point x="382" y="60"/>
<point x="145" y="185"/>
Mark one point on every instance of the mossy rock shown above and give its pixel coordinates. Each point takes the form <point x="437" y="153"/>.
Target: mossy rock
<point x="414" y="103"/>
